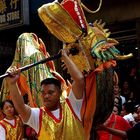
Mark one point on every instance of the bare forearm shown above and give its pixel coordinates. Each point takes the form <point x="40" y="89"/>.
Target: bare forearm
<point x="18" y="100"/>
<point x="116" y="132"/>
<point x="78" y="85"/>
<point x="75" y="73"/>
<point x="15" y="94"/>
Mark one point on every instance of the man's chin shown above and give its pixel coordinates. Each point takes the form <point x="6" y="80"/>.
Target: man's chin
<point x="47" y="105"/>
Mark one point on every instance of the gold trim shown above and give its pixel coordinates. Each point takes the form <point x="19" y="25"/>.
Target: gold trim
<point x="59" y="22"/>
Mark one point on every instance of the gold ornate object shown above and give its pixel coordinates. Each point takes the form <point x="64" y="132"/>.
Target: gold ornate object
<point x="59" y="22"/>
<point x="123" y="57"/>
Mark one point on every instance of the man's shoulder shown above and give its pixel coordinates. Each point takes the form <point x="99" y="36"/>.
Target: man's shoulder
<point x="36" y="109"/>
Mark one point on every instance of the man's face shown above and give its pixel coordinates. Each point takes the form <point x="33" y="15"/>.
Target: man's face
<point x="51" y="96"/>
<point x="116" y="89"/>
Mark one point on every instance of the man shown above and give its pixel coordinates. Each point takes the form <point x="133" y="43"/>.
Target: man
<point x="56" y="120"/>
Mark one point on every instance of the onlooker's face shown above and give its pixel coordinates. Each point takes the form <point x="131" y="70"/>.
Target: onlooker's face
<point x="51" y="96"/>
<point x="123" y="111"/>
<point x="8" y="110"/>
<point x="115" y="110"/>
<point x="125" y="85"/>
<point x="116" y="90"/>
<point x="116" y="101"/>
<point x="137" y="114"/>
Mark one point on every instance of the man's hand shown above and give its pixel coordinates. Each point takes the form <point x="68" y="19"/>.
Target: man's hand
<point x="64" y="53"/>
<point x="14" y="73"/>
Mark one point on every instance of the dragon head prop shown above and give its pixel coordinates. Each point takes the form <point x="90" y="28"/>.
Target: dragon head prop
<point x="96" y="58"/>
<point x="67" y="22"/>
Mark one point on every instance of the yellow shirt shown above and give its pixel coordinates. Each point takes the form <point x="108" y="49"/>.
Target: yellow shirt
<point x="13" y="132"/>
<point x="67" y="127"/>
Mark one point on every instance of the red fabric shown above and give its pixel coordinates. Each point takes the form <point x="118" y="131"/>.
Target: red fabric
<point x="120" y="124"/>
<point x="30" y="133"/>
<point x="68" y="5"/>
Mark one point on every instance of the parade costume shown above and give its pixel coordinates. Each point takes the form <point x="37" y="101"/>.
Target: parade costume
<point x="29" y="49"/>
<point x="62" y="123"/>
<point x="13" y="131"/>
<point x="54" y="128"/>
<point x="96" y="57"/>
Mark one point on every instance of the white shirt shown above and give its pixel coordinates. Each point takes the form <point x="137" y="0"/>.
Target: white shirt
<point x="123" y="99"/>
<point x="34" y="118"/>
<point x="2" y="130"/>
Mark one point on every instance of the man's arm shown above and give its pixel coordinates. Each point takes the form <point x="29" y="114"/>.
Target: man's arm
<point x="78" y="85"/>
<point x="113" y="131"/>
<point x="16" y="96"/>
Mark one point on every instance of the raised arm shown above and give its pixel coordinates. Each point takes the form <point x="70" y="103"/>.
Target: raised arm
<point x="78" y="85"/>
<point x="16" y="96"/>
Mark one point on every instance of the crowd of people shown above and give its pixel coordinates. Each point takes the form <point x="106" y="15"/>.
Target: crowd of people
<point x="124" y="122"/>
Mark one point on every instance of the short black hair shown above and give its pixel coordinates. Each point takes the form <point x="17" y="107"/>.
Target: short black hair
<point x="136" y="107"/>
<point x="129" y="107"/>
<point x="51" y="81"/>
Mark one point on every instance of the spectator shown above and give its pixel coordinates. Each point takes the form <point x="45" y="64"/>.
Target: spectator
<point x="130" y="134"/>
<point x="136" y="113"/>
<point x="127" y="112"/>
<point x="118" y="95"/>
<point x="114" y="121"/>
<point x="11" y="127"/>
<point x="126" y="91"/>
<point x="118" y="104"/>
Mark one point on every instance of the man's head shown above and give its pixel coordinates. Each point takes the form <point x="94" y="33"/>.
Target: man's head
<point x="51" y="92"/>
<point x="51" y="81"/>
